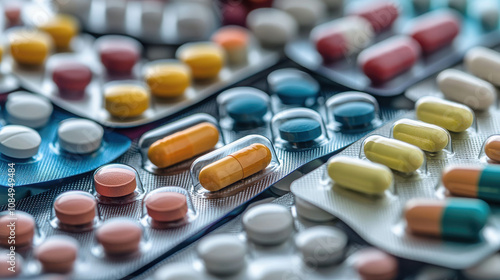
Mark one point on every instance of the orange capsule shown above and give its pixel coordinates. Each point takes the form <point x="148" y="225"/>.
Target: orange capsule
<point x="183" y="145"/>
<point x="492" y="147"/>
<point x="235" y="167"/>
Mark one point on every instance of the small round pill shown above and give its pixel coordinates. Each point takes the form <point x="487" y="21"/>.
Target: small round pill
<point x="12" y="11"/>
<point x="373" y="264"/>
<point x="28" y="109"/>
<point x="488" y="269"/>
<point x="71" y="78"/>
<point x="166" y="206"/>
<point x="247" y="109"/>
<point x="268" y="224"/>
<point x="311" y="212"/>
<point x="119" y="56"/>
<point x="321" y="245"/>
<point x="167" y="78"/>
<point x="492" y="147"/>
<point x="233" y="13"/>
<point x="115" y="12"/>
<point x="300" y="130"/>
<point x="79" y="136"/>
<point x="271" y="26"/>
<point x="205" y="59"/>
<point x="11" y="264"/>
<point x="126" y="100"/>
<point x="57" y="254"/>
<point x="75" y="208"/>
<point x="115" y="180"/>
<point x="24" y="228"/>
<point x="28" y="47"/>
<point x="293" y="87"/>
<point x="177" y="271"/>
<point x="194" y="20"/>
<point x="119" y="236"/>
<point x="62" y="28"/>
<point x="17" y="141"/>
<point x="306" y="14"/>
<point x="234" y="40"/>
<point x="222" y="254"/>
<point x="353" y="114"/>
<point x="277" y="269"/>
<point x="151" y="17"/>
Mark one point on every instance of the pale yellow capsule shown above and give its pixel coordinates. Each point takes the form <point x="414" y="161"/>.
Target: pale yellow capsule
<point x="126" y="100"/>
<point x="359" y="175"/>
<point x="428" y="137"/>
<point x="452" y="116"/>
<point x="395" y="154"/>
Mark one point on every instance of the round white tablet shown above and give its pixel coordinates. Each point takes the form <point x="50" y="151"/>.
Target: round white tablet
<point x="28" y="109"/>
<point x="177" y="271"/>
<point x="79" y="136"/>
<point x="278" y="269"/>
<point x="222" y="254"/>
<point x="271" y="26"/>
<point x="194" y="20"/>
<point x="268" y="224"/>
<point x="321" y="245"/>
<point x="115" y="13"/>
<point x="488" y="269"/>
<point x="311" y="212"/>
<point x="151" y="17"/>
<point x="17" y="141"/>
<point x="306" y="13"/>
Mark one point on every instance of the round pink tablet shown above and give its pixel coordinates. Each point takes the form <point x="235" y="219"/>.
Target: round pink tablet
<point x="21" y="225"/>
<point x="115" y="181"/>
<point x="119" y="57"/>
<point x="75" y="208"/>
<point x="119" y="236"/>
<point x="57" y="254"/>
<point x="71" y="78"/>
<point x="166" y="206"/>
<point x="10" y="264"/>
<point x="13" y="13"/>
<point x="373" y="264"/>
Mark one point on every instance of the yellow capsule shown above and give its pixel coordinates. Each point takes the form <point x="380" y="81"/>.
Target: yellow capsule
<point x="395" y="154"/>
<point x="29" y="47"/>
<point x="452" y="116"/>
<point x="359" y="175"/>
<point x="167" y="79"/>
<point x="126" y="100"/>
<point x="204" y="59"/>
<point x="428" y="137"/>
<point x="62" y="28"/>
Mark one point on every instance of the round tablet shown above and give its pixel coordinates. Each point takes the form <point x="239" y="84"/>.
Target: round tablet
<point x="234" y="13"/>
<point x="166" y="206"/>
<point x="57" y="254"/>
<point x="194" y="20"/>
<point x="222" y="254"/>
<point x="119" y="236"/>
<point x="115" y="180"/>
<point x="321" y="245"/>
<point x="24" y="228"/>
<point x="293" y="87"/>
<point x="300" y="130"/>
<point x="12" y="12"/>
<point x="168" y="78"/>
<point x="306" y="13"/>
<point x="75" y="208"/>
<point x="10" y="265"/>
<point x="177" y="271"/>
<point x="488" y="269"/>
<point x="271" y="26"/>
<point x="268" y="224"/>
<point x="17" y="141"/>
<point x="278" y="272"/>
<point x="205" y="59"/>
<point x="373" y="264"/>
<point x="126" y="99"/>
<point x="354" y="114"/>
<point x="151" y="17"/>
<point x="247" y="109"/>
<point x="119" y="56"/>
<point x="234" y="40"/>
<point x="79" y="136"/>
<point x="28" y="109"/>
<point x="71" y="78"/>
<point x="62" y="28"/>
<point x="311" y="212"/>
<point x="29" y="47"/>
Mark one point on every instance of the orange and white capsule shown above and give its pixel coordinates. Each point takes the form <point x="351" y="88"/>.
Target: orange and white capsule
<point x="234" y="167"/>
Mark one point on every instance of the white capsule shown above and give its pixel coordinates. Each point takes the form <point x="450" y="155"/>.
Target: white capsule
<point x="321" y="245"/>
<point x="222" y="254"/>
<point x="306" y="13"/>
<point x="484" y="63"/>
<point x="17" y="141"/>
<point x="79" y="136"/>
<point x="268" y="224"/>
<point x="271" y="26"/>
<point x="310" y="212"/>
<point x="466" y="89"/>
<point x="28" y="109"/>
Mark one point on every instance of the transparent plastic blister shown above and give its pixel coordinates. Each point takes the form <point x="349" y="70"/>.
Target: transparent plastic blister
<point x="117" y="184"/>
<point x="66" y="217"/>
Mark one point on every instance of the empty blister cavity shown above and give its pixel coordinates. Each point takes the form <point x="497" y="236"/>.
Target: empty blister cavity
<point x="352" y="112"/>
<point x="117" y="184"/>
<point x="75" y="211"/>
<point x="205" y="59"/>
<point x="69" y="76"/>
<point x="268" y="224"/>
<point x="126" y="99"/>
<point x="272" y="27"/>
<point x="119" y="238"/>
<point x="373" y="264"/>
<point x="17" y="228"/>
<point x="167" y="78"/>
<point x="19" y="142"/>
<point x="428" y="137"/>
<point x="29" y="110"/>
<point x="321" y="245"/>
<point x="449" y="115"/>
<point x="311" y="212"/>
<point x="380" y="14"/>
<point x="169" y="148"/>
<point x="223" y="254"/>
<point x="234" y="40"/>
<point x="292" y="88"/>
<point x="242" y="108"/>
<point x="167" y="207"/>
<point x="472" y="181"/>
<point x="57" y="254"/>
<point x="118" y="54"/>
<point x="298" y="128"/>
<point x="79" y="136"/>
<point x="232" y="168"/>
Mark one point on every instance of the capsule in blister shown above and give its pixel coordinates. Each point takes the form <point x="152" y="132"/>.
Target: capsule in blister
<point x="360" y="175"/>
<point x="380" y="14"/>
<point x="480" y="182"/>
<point x="492" y="147"/>
<point x="484" y="63"/>
<point x="435" y="30"/>
<point x="395" y="154"/>
<point x="428" y="137"/>
<point x="446" y="114"/>
<point x="453" y="218"/>
<point x="28" y="109"/>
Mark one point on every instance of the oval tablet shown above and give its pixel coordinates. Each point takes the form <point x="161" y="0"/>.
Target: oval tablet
<point x="126" y="100"/>
<point x="222" y="254"/>
<point x="234" y="40"/>
<point x="183" y="145"/>
<point x="236" y="166"/>
<point x="28" y="109"/>
<point x="268" y="224"/>
<point x="446" y="114"/>
<point x="166" y="206"/>
<point x="119" y="236"/>
<point x="271" y="26"/>
<point x="354" y="114"/>
<point x="435" y="30"/>
<point x="57" y="254"/>
<point x="167" y="78"/>
<point x="373" y="264"/>
<point x="75" y="208"/>
<point x="79" y="136"/>
<point x="453" y="218"/>
<point x="119" y="56"/>
<point x="177" y="271"/>
<point x="484" y="63"/>
<point x="293" y="87"/>
<point x="310" y="212"/>
<point x="380" y="14"/>
<point x="395" y="154"/>
<point x="115" y="180"/>
<point x="71" y="78"/>
<point x="492" y="147"/>
<point x="17" y="141"/>
<point x="359" y="175"/>
<point x="321" y="245"/>
<point x="468" y="181"/>
<point x="247" y="109"/>
<point x="24" y="228"/>
<point x="62" y="28"/>
<point x="300" y="130"/>
<point x="387" y="59"/>
<point x="428" y="137"/>
<point x="466" y="89"/>
<point x="29" y="47"/>
<point x="205" y="59"/>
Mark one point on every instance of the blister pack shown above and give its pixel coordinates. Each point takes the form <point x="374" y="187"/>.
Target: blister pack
<point x="358" y="50"/>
